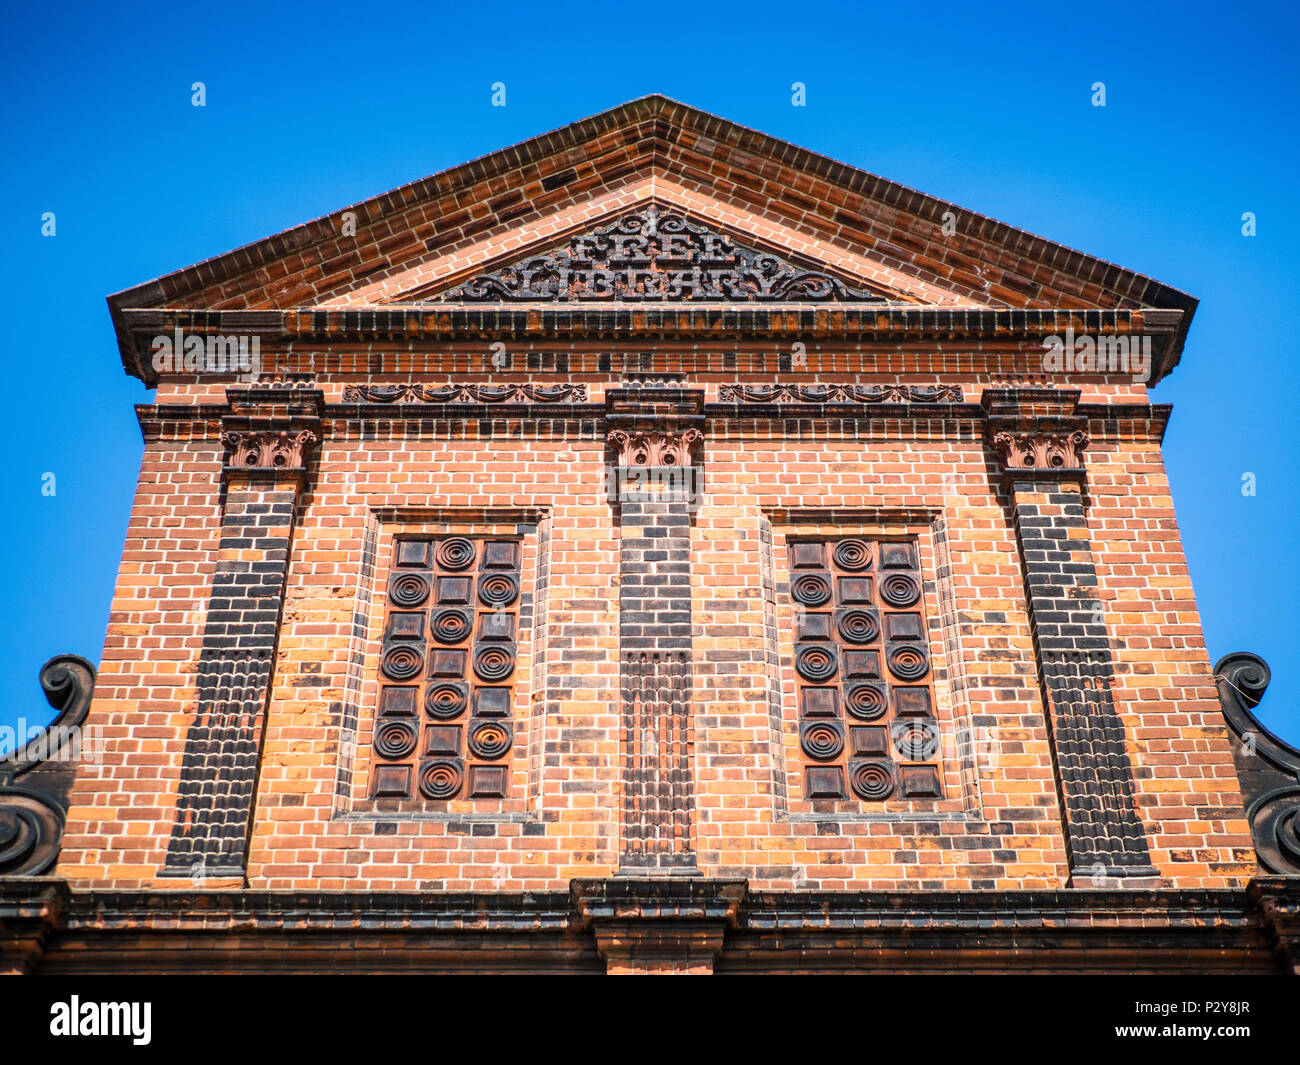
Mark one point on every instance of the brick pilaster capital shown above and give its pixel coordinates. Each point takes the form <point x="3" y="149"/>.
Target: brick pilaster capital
<point x="655" y="447"/>
<point x="1035" y="432"/>
<point x="654" y="425"/>
<point x="269" y="433"/>
<point x="1040" y="451"/>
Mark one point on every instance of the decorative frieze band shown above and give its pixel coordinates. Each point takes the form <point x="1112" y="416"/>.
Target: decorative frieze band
<point x="841" y="393"/>
<point x="464" y="393"/>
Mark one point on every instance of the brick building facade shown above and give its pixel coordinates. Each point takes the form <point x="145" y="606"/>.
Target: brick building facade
<point x="655" y="547"/>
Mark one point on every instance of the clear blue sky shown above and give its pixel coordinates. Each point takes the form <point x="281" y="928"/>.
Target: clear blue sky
<point x="310" y="110"/>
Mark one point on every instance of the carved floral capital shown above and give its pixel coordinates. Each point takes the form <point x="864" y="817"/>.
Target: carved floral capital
<point x="655" y="448"/>
<point x="1035" y="451"/>
<point x="268" y="449"/>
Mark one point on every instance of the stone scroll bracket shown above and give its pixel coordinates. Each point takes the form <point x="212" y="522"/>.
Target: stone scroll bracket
<point x="1040" y="443"/>
<point x="1268" y="768"/>
<point x="36" y="778"/>
<point x="269" y="435"/>
<point x="654" y="435"/>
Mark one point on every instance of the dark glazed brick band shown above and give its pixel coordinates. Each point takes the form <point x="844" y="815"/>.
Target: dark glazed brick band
<point x="219" y="771"/>
<point x="655" y="673"/>
<point x="1104" y="836"/>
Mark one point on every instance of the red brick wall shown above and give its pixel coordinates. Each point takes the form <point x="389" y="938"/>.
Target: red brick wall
<point x="997" y="826"/>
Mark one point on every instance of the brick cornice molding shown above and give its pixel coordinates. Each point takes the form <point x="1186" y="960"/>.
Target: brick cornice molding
<point x="1278" y="901"/>
<point x="31" y="910"/>
<point x="793" y="320"/>
<point x="649" y="137"/>
<point x="1152" y="930"/>
<point x="659" y="924"/>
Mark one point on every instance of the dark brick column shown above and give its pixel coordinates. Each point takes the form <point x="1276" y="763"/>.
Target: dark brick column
<point x="654" y="473"/>
<point x="1040" y="445"/>
<point x="268" y="438"/>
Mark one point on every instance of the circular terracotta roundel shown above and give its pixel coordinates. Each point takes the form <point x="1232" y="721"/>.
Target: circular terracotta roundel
<point x="857" y="626"/>
<point x="815" y="662"/>
<point x="408" y="589"/>
<point x="916" y="741"/>
<point x="452" y="626"/>
<point x="401" y="662"/>
<point x="811" y="589"/>
<point x="395" y="739"/>
<point x="498" y="589"/>
<point x="866" y="702"/>
<point x="456" y="553"/>
<point x="822" y="740"/>
<point x="900" y="589"/>
<point x="907" y="662"/>
<point x="440" y="779"/>
<point x="446" y="700"/>
<point x="489" y="739"/>
<point x="852" y="555"/>
<point x="494" y="662"/>
<point x="872" y="779"/>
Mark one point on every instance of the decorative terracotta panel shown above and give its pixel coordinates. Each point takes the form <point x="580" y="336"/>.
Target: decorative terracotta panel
<point x="867" y="728"/>
<point x="447" y="670"/>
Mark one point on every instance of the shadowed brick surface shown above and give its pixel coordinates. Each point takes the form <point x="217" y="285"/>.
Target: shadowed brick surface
<point x="655" y="649"/>
<point x="219" y="771"/>
<point x="1104" y="835"/>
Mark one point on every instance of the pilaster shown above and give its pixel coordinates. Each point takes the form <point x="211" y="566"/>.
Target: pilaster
<point x="269" y="434"/>
<point x="1040" y="442"/>
<point x="654" y="433"/>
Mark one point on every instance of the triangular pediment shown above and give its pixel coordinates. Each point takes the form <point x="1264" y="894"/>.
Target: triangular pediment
<point x="653" y="254"/>
<point x="758" y="221"/>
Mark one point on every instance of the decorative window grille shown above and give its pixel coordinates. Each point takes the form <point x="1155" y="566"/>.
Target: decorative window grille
<point x="867" y="726"/>
<point x="447" y="668"/>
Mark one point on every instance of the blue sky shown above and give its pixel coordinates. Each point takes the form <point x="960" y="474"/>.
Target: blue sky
<point x="310" y="110"/>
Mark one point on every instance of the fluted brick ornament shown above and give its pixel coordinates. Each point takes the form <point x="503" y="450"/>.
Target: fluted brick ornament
<point x="653" y="448"/>
<point x="1042" y="450"/>
<point x="269" y="449"/>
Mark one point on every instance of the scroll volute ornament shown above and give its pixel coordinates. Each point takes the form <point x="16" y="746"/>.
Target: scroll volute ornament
<point x="1041" y="450"/>
<point x="655" y="448"/>
<point x="1268" y="767"/>
<point x="36" y="778"/>
<point x="268" y="449"/>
